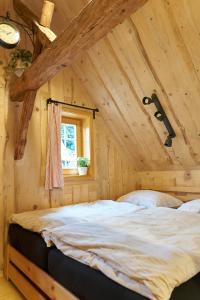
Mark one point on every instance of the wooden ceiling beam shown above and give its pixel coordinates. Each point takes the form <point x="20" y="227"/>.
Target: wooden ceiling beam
<point x="29" y="96"/>
<point x="45" y="35"/>
<point x="93" y="22"/>
<point x="41" y="39"/>
<point x="47" y="14"/>
<point x="26" y="113"/>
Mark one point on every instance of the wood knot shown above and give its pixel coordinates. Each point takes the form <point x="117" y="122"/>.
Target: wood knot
<point x="187" y="175"/>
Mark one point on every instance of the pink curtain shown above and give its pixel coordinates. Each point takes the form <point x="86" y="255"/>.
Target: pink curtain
<point x="54" y="177"/>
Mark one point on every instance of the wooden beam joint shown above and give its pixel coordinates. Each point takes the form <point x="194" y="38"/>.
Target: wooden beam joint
<point x="29" y="96"/>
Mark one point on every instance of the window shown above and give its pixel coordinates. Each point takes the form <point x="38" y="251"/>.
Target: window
<point x="76" y="141"/>
<point x="71" y="144"/>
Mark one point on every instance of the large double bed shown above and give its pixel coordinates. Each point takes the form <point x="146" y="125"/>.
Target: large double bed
<point x="75" y="272"/>
<point x="81" y="280"/>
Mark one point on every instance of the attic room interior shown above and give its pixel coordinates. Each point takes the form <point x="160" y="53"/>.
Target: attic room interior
<point x="100" y="149"/>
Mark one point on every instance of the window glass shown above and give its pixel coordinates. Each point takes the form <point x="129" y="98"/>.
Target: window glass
<point x="69" y="146"/>
<point x="76" y="141"/>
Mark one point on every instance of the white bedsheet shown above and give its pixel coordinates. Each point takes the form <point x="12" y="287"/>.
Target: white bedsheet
<point x="149" y="251"/>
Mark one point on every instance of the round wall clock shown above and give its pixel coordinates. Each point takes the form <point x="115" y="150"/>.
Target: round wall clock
<point x="9" y="35"/>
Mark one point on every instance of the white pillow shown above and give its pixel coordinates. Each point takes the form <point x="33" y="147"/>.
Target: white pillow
<point x="148" y="198"/>
<point x="191" y="206"/>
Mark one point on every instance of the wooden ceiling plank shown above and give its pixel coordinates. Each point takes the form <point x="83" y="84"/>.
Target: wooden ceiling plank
<point x="94" y="22"/>
<point x="25" y="13"/>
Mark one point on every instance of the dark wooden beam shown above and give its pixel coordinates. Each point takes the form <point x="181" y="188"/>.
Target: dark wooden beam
<point x="26" y="113"/>
<point x="29" y="96"/>
<point x="94" y="22"/>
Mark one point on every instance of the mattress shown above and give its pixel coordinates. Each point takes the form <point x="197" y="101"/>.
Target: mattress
<point x="30" y="244"/>
<point x="85" y="282"/>
<point x="90" y="284"/>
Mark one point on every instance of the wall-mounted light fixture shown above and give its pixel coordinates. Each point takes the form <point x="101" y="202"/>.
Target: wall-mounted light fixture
<point x="161" y="116"/>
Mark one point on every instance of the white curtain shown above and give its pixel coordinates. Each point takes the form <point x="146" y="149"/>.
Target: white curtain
<point x="54" y="176"/>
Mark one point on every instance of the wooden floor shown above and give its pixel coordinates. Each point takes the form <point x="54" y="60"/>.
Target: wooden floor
<point x="8" y="291"/>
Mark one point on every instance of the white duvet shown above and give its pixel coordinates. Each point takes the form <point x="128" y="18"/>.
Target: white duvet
<point x="149" y="251"/>
<point x="102" y="210"/>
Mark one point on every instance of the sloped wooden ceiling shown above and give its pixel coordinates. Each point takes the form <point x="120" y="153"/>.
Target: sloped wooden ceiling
<point x="155" y="50"/>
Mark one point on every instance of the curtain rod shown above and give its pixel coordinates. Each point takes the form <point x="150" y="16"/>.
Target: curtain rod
<point x="94" y="110"/>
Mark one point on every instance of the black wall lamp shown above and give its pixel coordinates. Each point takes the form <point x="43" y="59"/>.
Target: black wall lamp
<point x="161" y="116"/>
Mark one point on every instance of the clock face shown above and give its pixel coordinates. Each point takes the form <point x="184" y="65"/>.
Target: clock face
<point x="9" y="36"/>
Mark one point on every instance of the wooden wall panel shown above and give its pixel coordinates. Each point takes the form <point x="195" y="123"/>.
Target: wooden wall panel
<point x="154" y="50"/>
<point x="184" y="184"/>
<point x="7" y="189"/>
<point x="2" y="147"/>
<point x="112" y="167"/>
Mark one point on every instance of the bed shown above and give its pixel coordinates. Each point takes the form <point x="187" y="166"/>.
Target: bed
<point x="81" y="280"/>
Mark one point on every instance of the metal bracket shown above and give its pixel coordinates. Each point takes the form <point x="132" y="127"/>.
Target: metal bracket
<point x="161" y="116"/>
